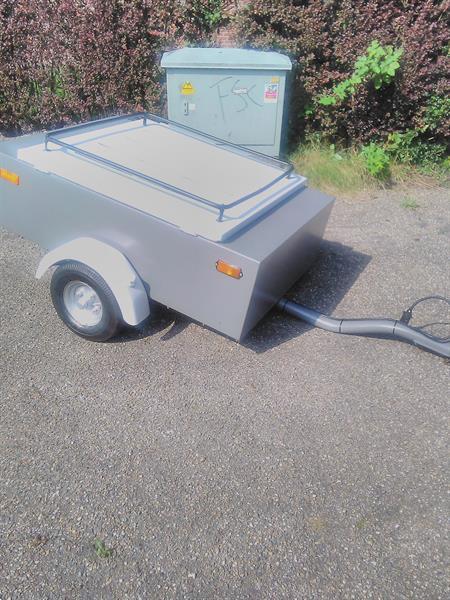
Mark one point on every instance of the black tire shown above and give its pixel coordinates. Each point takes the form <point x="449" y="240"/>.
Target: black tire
<point x="111" y="320"/>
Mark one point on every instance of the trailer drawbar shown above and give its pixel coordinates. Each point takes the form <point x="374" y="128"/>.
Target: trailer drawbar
<point x="380" y="328"/>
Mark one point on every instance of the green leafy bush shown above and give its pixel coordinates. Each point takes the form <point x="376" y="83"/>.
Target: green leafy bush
<point x="376" y="159"/>
<point x="408" y="147"/>
<point x="206" y="15"/>
<point x="377" y="65"/>
<point x="436" y="113"/>
<point x="400" y="145"/>
<point x="212" y="12"/>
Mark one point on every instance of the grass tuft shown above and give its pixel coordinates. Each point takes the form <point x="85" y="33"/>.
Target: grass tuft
<point x="409" y="202"/>
<point x="333" y="172"/>
<point x="344" y="172"/>
<point x="101" y="550"/>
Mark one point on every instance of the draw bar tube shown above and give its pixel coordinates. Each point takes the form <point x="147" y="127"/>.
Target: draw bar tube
<point x="383" y="328"/>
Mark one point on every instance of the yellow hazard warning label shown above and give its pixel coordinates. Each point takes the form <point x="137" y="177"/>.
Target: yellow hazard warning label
<point x="187" y="89"/>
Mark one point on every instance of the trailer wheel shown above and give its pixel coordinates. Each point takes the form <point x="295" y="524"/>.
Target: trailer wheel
<point x="84" y="302"/>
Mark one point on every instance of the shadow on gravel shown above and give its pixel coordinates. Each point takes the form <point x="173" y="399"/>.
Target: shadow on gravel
<point x="161" y="318"/>
<point x="323" y="287"/>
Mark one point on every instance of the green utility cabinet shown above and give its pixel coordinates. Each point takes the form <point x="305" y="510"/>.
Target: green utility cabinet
<point x="234" y="94"/>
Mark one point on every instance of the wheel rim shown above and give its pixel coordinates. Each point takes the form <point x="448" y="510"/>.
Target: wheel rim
<point x="83" y="304"/>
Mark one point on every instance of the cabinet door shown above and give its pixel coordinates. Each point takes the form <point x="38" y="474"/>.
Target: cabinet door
<point x="241" y="106"/>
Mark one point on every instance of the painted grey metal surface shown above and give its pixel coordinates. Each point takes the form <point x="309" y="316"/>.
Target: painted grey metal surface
<point x="177" y="268"/>
<point x="238" y="95"/>
<point x="226" y="58"/>
<point x="168" y="171"/>
<point x="54" y="138"/>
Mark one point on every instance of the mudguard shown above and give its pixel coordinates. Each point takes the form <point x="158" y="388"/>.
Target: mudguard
<point x="113" y="266"/>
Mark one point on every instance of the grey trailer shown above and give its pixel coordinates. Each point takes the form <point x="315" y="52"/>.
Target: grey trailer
<point x="136" y="208"/>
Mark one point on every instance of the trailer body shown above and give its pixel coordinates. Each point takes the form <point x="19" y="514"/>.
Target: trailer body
<point x="272" y="237"/>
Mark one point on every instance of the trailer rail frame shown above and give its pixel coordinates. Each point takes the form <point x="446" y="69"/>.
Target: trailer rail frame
<point x="51" y="137"/>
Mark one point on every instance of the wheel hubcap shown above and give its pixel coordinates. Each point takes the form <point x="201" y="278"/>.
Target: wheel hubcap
<point x="83" y="304"/>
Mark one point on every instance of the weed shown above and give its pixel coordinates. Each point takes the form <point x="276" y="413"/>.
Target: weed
<point x="39" y="540"/>
<point x="317" y="524"/>
<point x="437" y="112"/>
<point x="407" y="147"/>
<point x="212" y="12"/>
<point x="101" y="550"/>
<point x="409" y="202"/>
<point x="362" y="523"/>
<point x="377" y="160"/>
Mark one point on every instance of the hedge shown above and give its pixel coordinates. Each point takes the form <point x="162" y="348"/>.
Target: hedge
<point x="69" y="60"/>
<point x="325" y="37"/>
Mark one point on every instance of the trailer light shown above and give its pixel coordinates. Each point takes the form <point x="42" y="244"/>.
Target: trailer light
<point x="227" y="269"/>
<point x="9" y="176"/>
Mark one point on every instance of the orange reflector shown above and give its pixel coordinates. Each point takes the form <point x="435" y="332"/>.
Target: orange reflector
<point x="226" y="269"/>
<point x="9" y="176"/>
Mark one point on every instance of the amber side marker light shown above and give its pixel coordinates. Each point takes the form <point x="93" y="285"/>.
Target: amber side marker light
<point x="227" y="269"/>
<point x="9" y="176"/>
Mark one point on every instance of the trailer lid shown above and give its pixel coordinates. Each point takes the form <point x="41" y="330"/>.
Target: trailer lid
<point x="179" y="176"/>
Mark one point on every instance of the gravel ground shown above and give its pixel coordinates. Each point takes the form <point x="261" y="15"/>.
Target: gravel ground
<point x="300" y="464"/>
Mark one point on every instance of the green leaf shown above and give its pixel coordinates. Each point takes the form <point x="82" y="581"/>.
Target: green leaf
<point x="327" y="100"/>
<point x="379" y="65"/>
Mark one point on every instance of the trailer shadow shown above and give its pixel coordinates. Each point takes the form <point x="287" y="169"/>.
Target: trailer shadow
<point x="322" y="288"/>
<point x="162" y="320"/>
